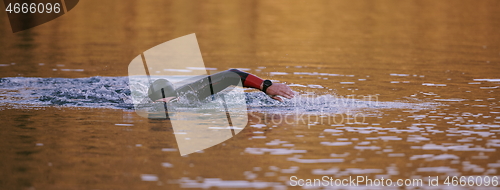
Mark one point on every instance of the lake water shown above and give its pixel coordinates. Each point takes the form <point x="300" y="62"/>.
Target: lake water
<point x="392" y="89"/>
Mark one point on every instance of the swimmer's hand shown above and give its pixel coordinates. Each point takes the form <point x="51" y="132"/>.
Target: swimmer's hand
<point x="279" y="89"/>
<point x="167" y="99"/>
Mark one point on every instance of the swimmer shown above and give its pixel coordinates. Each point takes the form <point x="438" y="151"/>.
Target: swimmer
<point x="162" y="90"/>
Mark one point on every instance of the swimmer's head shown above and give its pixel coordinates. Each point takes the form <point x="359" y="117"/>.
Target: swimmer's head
<point x="155" y="89"/>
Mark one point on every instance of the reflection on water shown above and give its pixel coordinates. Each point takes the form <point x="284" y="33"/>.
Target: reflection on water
<point x="433" y="67"/>
<point x="456" y="137"/>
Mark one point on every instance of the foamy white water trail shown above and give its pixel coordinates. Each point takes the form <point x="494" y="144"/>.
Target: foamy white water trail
<point x="114" y="92"/>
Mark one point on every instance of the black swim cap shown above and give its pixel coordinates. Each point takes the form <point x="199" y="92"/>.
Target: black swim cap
<point x="155" y="89"/>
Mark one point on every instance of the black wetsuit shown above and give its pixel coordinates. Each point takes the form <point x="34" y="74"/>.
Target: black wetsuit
<point x="212" y="84"/>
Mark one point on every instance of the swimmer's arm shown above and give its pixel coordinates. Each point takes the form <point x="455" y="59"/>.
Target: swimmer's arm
<point x="274" y="91"/>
